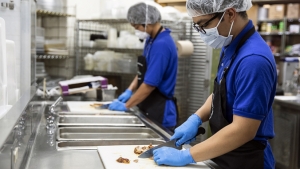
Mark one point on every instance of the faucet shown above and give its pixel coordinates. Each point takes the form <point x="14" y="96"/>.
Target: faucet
<point x="52" y="107"/>
<point x="50" y="126"/>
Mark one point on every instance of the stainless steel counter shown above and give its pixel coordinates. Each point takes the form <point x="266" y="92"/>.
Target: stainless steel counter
<point x="38" y="149"/>
<point x="293" y="104"/>
<point x="285" y="144"/>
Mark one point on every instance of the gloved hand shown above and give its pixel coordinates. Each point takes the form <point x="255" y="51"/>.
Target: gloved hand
<point x="186" y="132"/>
<point x="173" y="157"/>
<point x="125" y="96"/>
<point x="117" y="106"/>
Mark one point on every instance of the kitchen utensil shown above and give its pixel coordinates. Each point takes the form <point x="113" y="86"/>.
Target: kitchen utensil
<point x="149" y="153"/>
<point x="104" y="106"/>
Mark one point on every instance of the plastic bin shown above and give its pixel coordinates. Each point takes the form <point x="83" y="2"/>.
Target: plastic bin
<point x="108" y="94"/>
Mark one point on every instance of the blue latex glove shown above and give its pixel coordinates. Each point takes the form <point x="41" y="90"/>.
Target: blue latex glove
<point x="172" y="157"/>
<point x="117" y="106"/>
<point x="125" y="96"/>
<point x="186" y="132"/>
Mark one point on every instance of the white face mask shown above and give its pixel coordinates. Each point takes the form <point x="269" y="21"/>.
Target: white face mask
<point x="214" y="39"/>
<point x="141" y="35"/>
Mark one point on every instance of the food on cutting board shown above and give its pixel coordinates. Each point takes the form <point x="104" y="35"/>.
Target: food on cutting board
<point x="123" y="160"/>
<point x="96" y="105"/>
<point x="141" y="149"/>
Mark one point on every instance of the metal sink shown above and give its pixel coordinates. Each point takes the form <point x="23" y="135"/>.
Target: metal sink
<point x="92" y="144"/>
<point x="101" y="120"/>
<point x="106" y="133"/>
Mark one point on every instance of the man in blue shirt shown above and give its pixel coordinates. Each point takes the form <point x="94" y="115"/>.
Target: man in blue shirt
<point x="157" y="69"/>
<point x="239" y="110"/>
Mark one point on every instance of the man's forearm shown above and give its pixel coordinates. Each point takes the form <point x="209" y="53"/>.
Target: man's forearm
<point x="204" y="111"/>
<point x="232" y="136"/>
<point x="141" y="94"/>
<point x="133" y="84"/>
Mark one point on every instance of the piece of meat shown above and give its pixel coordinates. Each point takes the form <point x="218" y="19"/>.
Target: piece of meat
<point x="123" y="160"/>
<point x="96" y="105"/>
<point x="138" y="150"/>
<point x="141" y="149"/>
<point x="150" y="146"/>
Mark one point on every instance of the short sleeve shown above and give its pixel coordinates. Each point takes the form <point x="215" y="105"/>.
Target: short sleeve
<point x="157" y="64"/>
<point x="255" y="80"/>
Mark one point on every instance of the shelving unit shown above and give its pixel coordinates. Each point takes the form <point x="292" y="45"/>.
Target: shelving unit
<point x="284" y="37"/>
<point x="262" y="2"/>
<point x="41" y="12"/>
<point x="52" y="56"/>
<point x="58" y="25"/>
<point x="189" y="76"/>
<point x="121" y="50"/>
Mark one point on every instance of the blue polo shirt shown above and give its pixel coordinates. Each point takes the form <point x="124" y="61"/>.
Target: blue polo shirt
<point x="161" y="73"/>
<point x="251" y="85"/>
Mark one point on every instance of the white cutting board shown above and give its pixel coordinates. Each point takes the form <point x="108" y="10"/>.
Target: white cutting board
<point x="86" y="108"/>
<point x="109" y="155"/>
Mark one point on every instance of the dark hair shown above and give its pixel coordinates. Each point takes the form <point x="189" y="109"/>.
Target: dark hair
<point x="243" y="14"/>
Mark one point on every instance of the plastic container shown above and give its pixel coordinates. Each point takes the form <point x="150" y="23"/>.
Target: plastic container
<point x="3" y="65"/>
<point x="108" y="94"/>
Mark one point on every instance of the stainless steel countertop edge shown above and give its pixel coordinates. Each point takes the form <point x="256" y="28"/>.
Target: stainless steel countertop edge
<point x="288" y="103"/>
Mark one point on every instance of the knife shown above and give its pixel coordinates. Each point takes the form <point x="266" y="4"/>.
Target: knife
<point x="104" y="106"/>
<point x="149" y="153"/>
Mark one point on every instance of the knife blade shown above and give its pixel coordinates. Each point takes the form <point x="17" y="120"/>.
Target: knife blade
<point x="104" y="106"/>
<point x="149" y="153"/>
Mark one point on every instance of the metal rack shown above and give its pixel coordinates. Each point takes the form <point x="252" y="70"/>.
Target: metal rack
<point x="191" y="88"/>
<point x="52" y="56"/>
<point x="41" y="12"/>
<point x="284" y="35"/>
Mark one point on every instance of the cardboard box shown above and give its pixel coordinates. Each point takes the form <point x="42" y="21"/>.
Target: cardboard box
<point x="277" y="11"/>
<point x="253" y="14"/>
<point x="293" y="11"/>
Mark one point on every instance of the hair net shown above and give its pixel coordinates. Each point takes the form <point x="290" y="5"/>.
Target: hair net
<point x="205" y="7"/>
<point x="143" y="13"/>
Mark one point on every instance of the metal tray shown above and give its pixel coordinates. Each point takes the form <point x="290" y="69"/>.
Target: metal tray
<point x="92" y="144"/>
<point x="106" y="133"/>
<point x="101" y="120"/>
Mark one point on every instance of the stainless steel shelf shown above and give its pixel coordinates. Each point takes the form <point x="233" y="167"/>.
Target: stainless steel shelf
<point x="94" y="72"/>
<point x="118" y="21"/>
<point x="52" y="56"/>
<point x="274" y="1"/>
<point x="41" y="12"/>
<point x="278" y="33"/>
<point x="270" y="20"/>
<point x="271" y="33"/>
<point x="124" y="50"/>
<point x="287" y="33"/>
<point x="288" y="55"/>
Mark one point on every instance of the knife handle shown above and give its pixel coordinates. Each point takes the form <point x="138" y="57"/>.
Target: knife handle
<point x="201" y="130"/>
